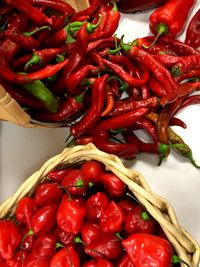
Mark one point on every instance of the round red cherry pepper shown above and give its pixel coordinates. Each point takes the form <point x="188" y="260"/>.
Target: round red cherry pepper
<point x="90" y="231"/>
<point x="113" y="185"/>
<point x="92" y="170"/>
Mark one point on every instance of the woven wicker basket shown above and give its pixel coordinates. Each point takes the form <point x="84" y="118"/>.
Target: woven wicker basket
<point x="185" y="246"/>
<point x="10" y="110"/>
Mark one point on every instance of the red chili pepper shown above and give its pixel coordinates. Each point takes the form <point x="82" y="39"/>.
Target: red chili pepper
<point x="48" y="194"/>
<point x="94" y="113"/>
<point x="33" y="13"/>
<point x="190" y="100"/>
<point x="67" y="109"/>
<point x="66" y="257"/>
<point x="76" y="77"/>
<point x="57" y="176"/>
<point x="162" y="74"/>
<point x="106" y="246"/>
<point x="167" y="19"/>
<point x="112" y="218"/>
<point x="110" y="101"/>
<point x="139" y="248"/>
<point x="126" y="205"/>
<point x="13" y="77"/>
<point x="113" y="185"/>
<point x="192" y="37"/>
<point x="90" y="263"/>
<point x="78" y="52"/>
<point x="57" y="5"/>
<point x="44" y="247"/>
<point x="66" y="239"/>
<point x="90" y="231"/>
<point x="8" y="49"/>
<point x="95" y="205"/>
<point x="92" y="170"/>
<point x="10" y="239"/>
<point x="193" y="73"/>
<point x="30" y="260"/>
<point x="188" y="88"/>
<point x="17" y="260"/>
<point x="28" y="239"/>
<point x="127" y="104"/>
<point x="44" y="219"/>
<point x="75" y="183"/>
<point x="113" y="17"/>
<point x="44" y="56"/>
<point x="125" y="262"/>
<point x="121" y="121"/>
<point x="138" y="220"/>
<point x="26" y="208"/>
<point x="70" y="215"/>
<point x="101" y="43"/>
<point x="103" y="263"/>
<point x="156" y="87"/>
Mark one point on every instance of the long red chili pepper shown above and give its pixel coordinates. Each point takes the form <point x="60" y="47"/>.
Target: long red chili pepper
<point x="193" y="73"/>
<point x="167" y="19"/>
<point x="192" y="37"/>
<point x="162" y="74"/>
<point x="110" y="101"/>
<point x="33" y="13"/>
<point x="188" y="88"/>
<point x="9" y="49"/>
<point x="66" y="110"/>
<point x="190" y="100"/>
<point x="94" y="113"/>
<point x="100" y="43"/>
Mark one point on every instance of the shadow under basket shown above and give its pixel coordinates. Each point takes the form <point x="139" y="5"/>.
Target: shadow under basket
<point x="184" y="245"/>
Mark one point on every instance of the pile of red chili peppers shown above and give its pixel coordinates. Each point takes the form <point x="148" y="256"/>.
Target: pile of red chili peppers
<point x="83" y="216"/>
<point x="68" y="67"/>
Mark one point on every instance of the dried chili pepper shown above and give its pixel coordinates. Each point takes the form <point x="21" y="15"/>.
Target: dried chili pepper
<point x="67" y="109"/>
<point x="94" y="113"/>
<point x="110" y="101"/>
<point x="167" y="19"/>
<point x="192" y="37"/>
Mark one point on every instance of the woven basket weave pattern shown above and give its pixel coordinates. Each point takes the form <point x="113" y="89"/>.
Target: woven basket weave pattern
<point x="185" y="246"/>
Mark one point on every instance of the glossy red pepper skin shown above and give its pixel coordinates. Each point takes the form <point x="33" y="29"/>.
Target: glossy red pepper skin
<point x="31" y="261"/>
<point x="104" y="263"/>
<point x="48" y="194"/>
<point x="44" y="219"/>
<point x="17" y="260"/>
<point x="70" y="215"/>
<point x="10" y="239"/>
<point x="105" y="246"/>
<point x="66" y="239"/>
<point x="192" y="37"/>
<point x="149" y="250"/>
<point x="26" y="208"/>
<point x="95" y="205"/>
<point x="92" y="170"/>
<point x="75" y="183"/>
<point x="66" y="257"/>
<point x="94" y="113"/>
<point x="57" y="176"/>
<point x="170" y="16"/>
<point x="126" y="205"/>
<point x="112" y="219"/>
<point x="138" y="220"/>
<point x="135" y="5"/>
<point x="90" y="231"/>
<point x="44" y="246"/>
<point x="113" y="185"/>
<point x="125" y="262"/>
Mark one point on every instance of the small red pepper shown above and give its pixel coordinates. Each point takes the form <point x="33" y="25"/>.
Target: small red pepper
<point x="70" y="215"/>
<point x="126" y="205"/>
<point x="10" y="239"/>
<point x="138" y="220"/>
<point x="192" y="37"/>
<point x="90" y="231"/>
<point x="105" y="246"/>
<point x="44" y="247"/>
<point x="125" y="262"/>
<point x="95" y="205"/>
<point x="103" y="263"/>
<point x="92" y="170"/>
<point x="149" y="250"/>
<point x="66" y="239"/>
<point x="112" y="218"/>
<point x="113" y="185"/>
<point x="57" y="176"/>
<point x="75" y="183"/>
<point x="44" y="220"/>
<point x="26" y="208"/>
<point x="66" y="257"/>
<point x="30" y="260"/>
<point x="167" y="19"/>
<point x="48" y="194"/>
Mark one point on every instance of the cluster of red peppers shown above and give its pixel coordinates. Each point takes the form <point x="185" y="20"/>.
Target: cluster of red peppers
<point x="83" y="216"/>
<point x="69" y="68"/>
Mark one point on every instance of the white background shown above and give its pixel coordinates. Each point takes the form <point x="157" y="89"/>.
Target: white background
<point x="23" y="151"/>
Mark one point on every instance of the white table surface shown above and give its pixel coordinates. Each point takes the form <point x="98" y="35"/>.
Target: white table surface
<point x="23" y="151"/>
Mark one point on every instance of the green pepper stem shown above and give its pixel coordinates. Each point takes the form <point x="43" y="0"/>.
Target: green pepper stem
<point x="125" y="47"/>
<point x="91" y="27"/>
<point x="145" y="216"/>
<point x="176" y="259"/>
<point x="175" y="71"/>
<point x="35" y="59"/>
<point x="190" y="157"/>
<point x="123" y="85"/>
<point x="115" y="8"/>
<point x="161" y="29"/>
<point x="36" y="30"/>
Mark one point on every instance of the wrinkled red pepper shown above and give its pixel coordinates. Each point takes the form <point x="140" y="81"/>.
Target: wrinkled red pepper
<point x="66" y="257"/>
<point x="192" y="37"/>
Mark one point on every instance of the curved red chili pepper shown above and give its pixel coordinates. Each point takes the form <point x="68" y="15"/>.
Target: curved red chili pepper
<point x="101" y="43"/>
<point x="190" y="74"/>
<point x="94" y="113"/>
